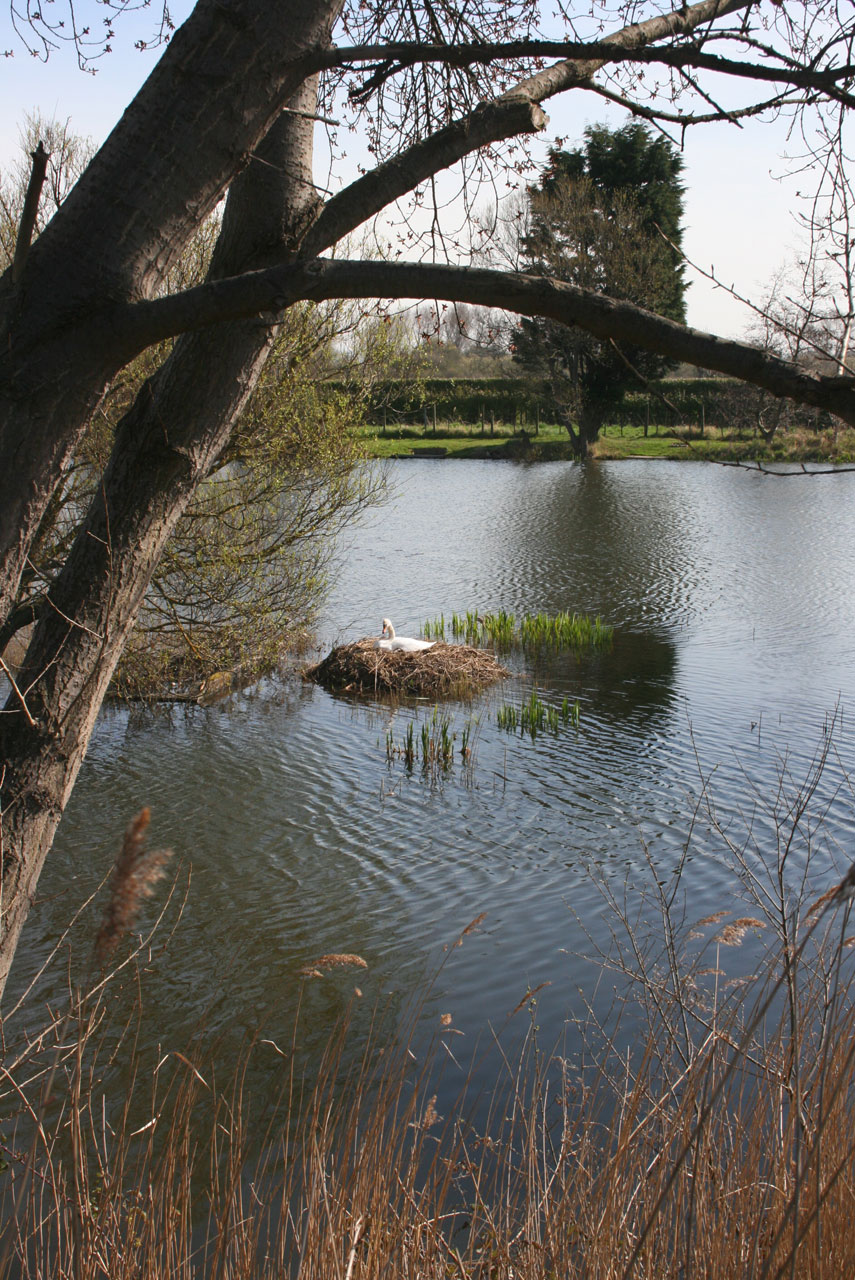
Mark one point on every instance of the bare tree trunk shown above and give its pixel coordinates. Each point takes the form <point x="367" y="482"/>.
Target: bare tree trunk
<point x="165" y="445"/>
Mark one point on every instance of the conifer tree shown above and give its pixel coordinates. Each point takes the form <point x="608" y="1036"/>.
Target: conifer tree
<point x="605" y="216"/>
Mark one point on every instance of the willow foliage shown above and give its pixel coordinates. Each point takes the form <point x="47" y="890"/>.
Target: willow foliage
<point x="246" y="568"/>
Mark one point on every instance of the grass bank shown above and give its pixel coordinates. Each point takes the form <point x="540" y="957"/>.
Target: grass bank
<point x="460" y="441"/>
<point x="551" y="443"/>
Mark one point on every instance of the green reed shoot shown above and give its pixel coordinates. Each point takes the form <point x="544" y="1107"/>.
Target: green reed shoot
<point x="498" y="628"/>
<point x="507" y="717"/>
<point x="433" y="744"/>
<point x="434" y="629"/>
<point x="536" y="716"/>
<point x="570" y="714"/>
<point x="575" y="631"/>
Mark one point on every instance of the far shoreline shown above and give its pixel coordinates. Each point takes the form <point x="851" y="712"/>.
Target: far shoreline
<point x="828" y="447"/>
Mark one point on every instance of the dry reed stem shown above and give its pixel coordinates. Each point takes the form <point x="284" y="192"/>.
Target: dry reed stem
<point x="445" y="670"/>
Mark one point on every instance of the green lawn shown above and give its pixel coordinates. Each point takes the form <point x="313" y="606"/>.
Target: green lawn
<point x="456" y="438"/>
<point x="798" y="446"/>
<point x="552" y="442"/>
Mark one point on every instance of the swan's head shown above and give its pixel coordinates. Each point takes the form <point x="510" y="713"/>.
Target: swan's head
<point x="388" y="630"/>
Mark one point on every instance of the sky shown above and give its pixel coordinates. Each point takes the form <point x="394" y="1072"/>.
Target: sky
<point x="739" y="215"/>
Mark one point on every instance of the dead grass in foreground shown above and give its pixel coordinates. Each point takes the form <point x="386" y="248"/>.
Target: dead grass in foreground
<point x="700" y="1156"/>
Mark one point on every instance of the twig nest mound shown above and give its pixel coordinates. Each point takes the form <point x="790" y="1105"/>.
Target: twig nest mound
<point x="444" y="670"/>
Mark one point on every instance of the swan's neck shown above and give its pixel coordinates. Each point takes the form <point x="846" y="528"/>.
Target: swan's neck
<point x="389" y="631"/>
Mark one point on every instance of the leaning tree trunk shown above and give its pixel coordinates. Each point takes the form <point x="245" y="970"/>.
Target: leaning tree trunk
<point x="193" y="125"/>
<point x="165" y="445"/>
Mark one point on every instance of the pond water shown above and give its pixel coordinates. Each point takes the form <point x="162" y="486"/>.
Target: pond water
<point x="732" y="598"/>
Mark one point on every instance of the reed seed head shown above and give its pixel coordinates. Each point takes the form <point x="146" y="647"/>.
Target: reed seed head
<point x="137" y="870"/>
<point x="734" y="933"/>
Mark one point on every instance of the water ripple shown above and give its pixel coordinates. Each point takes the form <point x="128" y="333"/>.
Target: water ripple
<point x="733" y="600"/>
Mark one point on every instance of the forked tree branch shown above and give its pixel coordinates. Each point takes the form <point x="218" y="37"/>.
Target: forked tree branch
<point x="514" y="112"/>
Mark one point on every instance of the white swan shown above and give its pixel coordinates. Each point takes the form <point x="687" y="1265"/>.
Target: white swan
<point x="406" y="643"/>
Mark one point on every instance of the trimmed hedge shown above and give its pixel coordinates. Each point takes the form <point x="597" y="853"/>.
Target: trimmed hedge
<point x="677" y="404"/>
<point x="509" y="400"/>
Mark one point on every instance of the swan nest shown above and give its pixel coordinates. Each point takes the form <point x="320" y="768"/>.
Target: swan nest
<point x="444" y="670"/>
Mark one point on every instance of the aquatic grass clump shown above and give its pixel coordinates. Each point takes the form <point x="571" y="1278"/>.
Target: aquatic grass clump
<point x="536" y="716"/>
<point x="498" y="629"/>
<point x="406" y="750"/>
<point x="466" y="626"/>
<point x="564" y="631"/>
<point x="575" y="631"/>
<point x="474" y="628"/>
<point x="435" y="744"/>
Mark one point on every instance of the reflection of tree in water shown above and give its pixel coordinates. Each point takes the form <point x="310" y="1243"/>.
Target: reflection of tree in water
<point x="634" y="679"/>
<point x="624" y="543"/>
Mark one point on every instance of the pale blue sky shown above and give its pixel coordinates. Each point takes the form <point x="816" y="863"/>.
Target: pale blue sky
<point x="738" y="217"/>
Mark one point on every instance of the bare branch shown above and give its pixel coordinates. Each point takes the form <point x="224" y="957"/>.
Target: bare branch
<point x="30" y="211"/>
<point x="514" y="112"/>
<point x="657" y="115"/>
<point x="280" y="287"/>
<point x="17" y="692"/>
<point x="393" y="58"/>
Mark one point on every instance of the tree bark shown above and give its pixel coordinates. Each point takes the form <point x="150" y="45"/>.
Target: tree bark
<point x="278" y="287"/>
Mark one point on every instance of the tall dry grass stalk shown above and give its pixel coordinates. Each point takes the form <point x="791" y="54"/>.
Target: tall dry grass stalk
<point x="707" y="1130"/>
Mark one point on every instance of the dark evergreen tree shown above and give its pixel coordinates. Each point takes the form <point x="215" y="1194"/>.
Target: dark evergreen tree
<point x="599" y="219"/>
